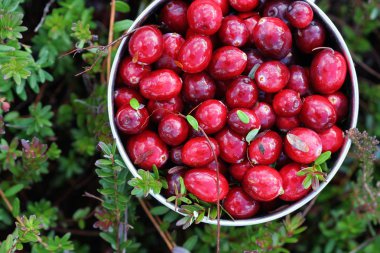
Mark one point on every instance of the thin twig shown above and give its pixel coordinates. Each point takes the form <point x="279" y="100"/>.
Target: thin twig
<point x="363" y="245"/>
<point x="110" y="37"/>
<point x="365" y="66"/>
<point x="44" y="15"/>
<point x="7" y="203"/>
<point x="89" y="195"/>
<point x="309" y="206"/>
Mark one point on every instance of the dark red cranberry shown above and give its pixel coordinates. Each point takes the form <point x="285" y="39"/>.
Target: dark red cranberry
<point x="239" y="205"/>
<point x="328" y="71"/>
<point x="238" y="170"/>
<point x="233" y="32"/>
<point x="272" y="76"/>
<point x="197" y="152"/>
<point x="332" y="139"/>
<point x="265" y="148"/>
<point x="302" y="145"/>
<point x="217" y="165"/>
<point x="173" y="129"/>
<point x="242" y="93"/>
<point x="299" y="80"/>
<point x="276" y="9"/>
<point x="227" y="62"/>
<point x="289" y="59"/>
<point x="198" y="87"/>
<point x="195" y="54"/>
<point x="240" y="127"/>
<point x="174" y="185"/>
<point x="176" y="155"/>
<point x="124" y="95"/>
<point x="250" y="20"/>
<point x="146" y="45"/>
<point x="299" y="14"/>
<point x="203" y="184"/>
<point x="262" y="183"/>
<point x="224" y="5"/>
<point x="285" y="124"/>
<point x="282" y="160"/>
<point x="244" y="5"/>
<point x="167" y="62"/>
<point x="232" y="146"/>
<point x="253" y="57"/>
<point x="131" y="121"/>
<point x="162" y="84"/>
<point x="147" y="149"/>
<point x="287" y="103"/>
<point x="340" y="103"/>
<point x="204" y="16"/>
<point x="317" y="113"/>
<point x="211" y="115"/>
<point x="158" y="109"/>
<point x="131" y="73"/>
<point x="310" y="37"/>
<point x="292" y="183"/>
<point x="174" y="15"/>
<point x="172" y="44"/>
<point x="272" y="37"/>
<point x="266" y="115"/>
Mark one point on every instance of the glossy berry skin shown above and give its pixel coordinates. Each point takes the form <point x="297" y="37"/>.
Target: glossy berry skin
<point x="272" y="76"/>
<point x="198" y="87"/>
<point x="146" y="45"/>
<point x="227" y="62"/>
<point x="340" y="103"/>
<point x="292" y="183"/>
<point x="211" y="116"/>
<point x="174" y="16"/>
<point x="124" y="95"/>
<point x="285" y="124"/>
<point x="195" y="54"/>
<point x="224" y="6"/>
<point x="287" y="103"/>
<point x="204" y="17"/>
<point x="174" y="184"/>
<point x="176" y="155"/>
<point x="272" y="37"/>
<point x="242" y="92"/>
<point x="221" y="166"/>
<point x="332" y="139"/>
<point x="244" y="5"/>
<point x="158" y="109"/>
<point x="173" y="129"/>
<point x="172" y="44"/>
<point x="238" y="170"/>
<point x="233" y="32"/>
<point x="328" y="71"/>
<point x="310" y="37"/>
<point x="266" y="115"/>
<point x="235" y="123"/>
<point x="131" y="73"/>
<point x="131" y="121"/>
<point x="262" y="183"/>
<point x="299" y="80"/>
<point x="232" y="146"/>
<point x="299" y="14"/>
<point x="239" y="205"/>
<point x="250" y="20"/>
<point x="162" y="84"/>
<point x="204" y="185"/>
<point x="265" y="148"/>
<point x="253" y="57"/>
<point x="317" y="113"/>
<point x="197" y="152"/>
<point x="147" y="149"/>
<point x="276" y="9"/>
<point x="306" y="148"/>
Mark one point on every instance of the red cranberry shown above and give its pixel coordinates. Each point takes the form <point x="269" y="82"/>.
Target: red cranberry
<point x="131" y="73"/>
<point x="233" y="32"/>
<point x="292" y="183"/>
<point x="299" y="80"/>
<point x="328" y="71"/>
<point x="161" y="84"/>
<point x="317" y="113"/>
<point x="266" y="115"/>
<point x="224" y="5"/>
<point x="276" y="9"/>
<point x="173" y="129"/>
<point x="167" y="62"/>
<point x="198" y="87"/>
<point x="211" y="115"/>
<point x="332" y="139"/>
<point x="302" y="145"/>
<point x="172" y="44"/>
<point x="232" y="146"/>
<point x="287" y="103"/>
<point x="174" y="186"/>
<point x="174" y="15"/>
<point x="204" y="185"/>
<point x="310" y="37"/>
<point x="244" y="5"/>
<point x="253" y="57"/>
<point x="242" y="93"/>
<point x="147" y="149"/>
<point x="272" y="37"/>
<point x="299" y="14"/>
<point x="272" y="76"/>
<point x="197" y="152"/>
<point x="340" y="103"/>
<point x="221" y="166"/>
<point x="285" y="124"/>
<point x="124" y="95"/>
<point x="146" y="45"/>
<point x="238" y="170"/>
<point x="235" y="123"/>
<point x="204" y="16"/>
<point x="265" y="148"/>
<point x="239" y="205"/>
<point x="250" y="20"/>
<point x="176" y="155"/>
<point x="131" y="121"/>
<point x="227" y="62"/>
<point x="195" y="54"/>
<point x="159" y="109"/>
<point x="262" y="183"/>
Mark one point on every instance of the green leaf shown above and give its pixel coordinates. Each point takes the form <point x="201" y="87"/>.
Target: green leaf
<point x="307" y="181"/>
<point x="191" y="242"/>
<point x="323" y="158"/>
<point x="134" y="103"/>
<point x="123" y="25"/>
<point x="5" y="48"/>
<point x="16" y="207"/>
<point x="252" y="134"/>
<point x="193" y="122"/>
<point x="159" y="210"/>
<point x="122" y="7"/>
<point x="13" y="190"/>
<point x="243" y="116"/>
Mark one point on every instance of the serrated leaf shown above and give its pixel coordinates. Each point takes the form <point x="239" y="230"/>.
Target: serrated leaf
<point x="297" y="142"/>
<point x="242" y="116"/>
<point x="134" y="103"/>
<point x="252" y="134"/>
<point x="323" y="158"/>
<point x="193" y="122"/>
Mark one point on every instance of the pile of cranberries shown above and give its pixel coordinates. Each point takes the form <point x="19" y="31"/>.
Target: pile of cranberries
<point x="236" y="66"/>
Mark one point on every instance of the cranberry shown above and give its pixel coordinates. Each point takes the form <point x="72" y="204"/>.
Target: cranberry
<point x="197" y="152"/>
<point x="173" y="129"/>
<point x="174" y="15"/>
<point x="292" y="183"/>
<point x="328" y="71"/>
<point x="217" y="165"/>
<point x="233" y="32"/>
<point x="299" y="14"/>
<point x="253" y="57"/>
<point x="235" y="123"/>
<point x="244" y="5"/>
<point x="124" y="95"/>
<point x="242" y="93"/>
<point x="227" y="62"/>
<point x="239" y="205"/>
<point x="289" y="59"/>
<point x="131" y="121"/>
<point x="272" y="37"/>
<point x="203" y="184"/>
<point x="147" y="149"/>
<point x="266" y="115"/>
<point x="224" y="6"/>
<point x="265" y="148"/>
<point x="299" y="80"/>
<point x="211" y="116"/>
<point x="302" y="145"/>
<point x="287" y="103"/>
<point x="238" y="170"/>
<point x="276" y="9"/>
<point x="340" y="103"/>
<point x="159" y="109"/>
<point x="262" y="183"/>
<point x="176" y="155"/>
<point x="198" y="87"/>
<point x="317" y="113"/>
<point x="172" y="44"/>
<point x="131" y="73"/>
<point x="250" y="20"/>
<point x="310" y="37"/>
<point x="272" y="76"/>
<point x="332" y="139"/>
<point x="174" y="185"/>
<point x="146" y="45"/>
<point x="232" y="146"/>
<point x="195" y="54"/>
<point x="204" y="16"/>
<point x="161" y="84"/>
<point x="286" y="124"/>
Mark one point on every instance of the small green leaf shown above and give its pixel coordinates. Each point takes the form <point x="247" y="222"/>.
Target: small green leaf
<point x="252" y="134"/>
<point x="323" y="158"/>
<point x="123" y="25"/>
<point x="13" y="190"/>
<point x="134" y="103"/>
<point x="307" y="181"/>
<point x="191" y="242"/>
<point x="243" y="116"/>
<point x="193" y="122"/>
<point x="122" y="7"/>
<point x="16" y="207"/>
<point x="182" y="186"/>
<point x="159" y="210"/>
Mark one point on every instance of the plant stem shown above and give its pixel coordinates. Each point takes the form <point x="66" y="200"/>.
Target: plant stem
<point x="110" y="38"/>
